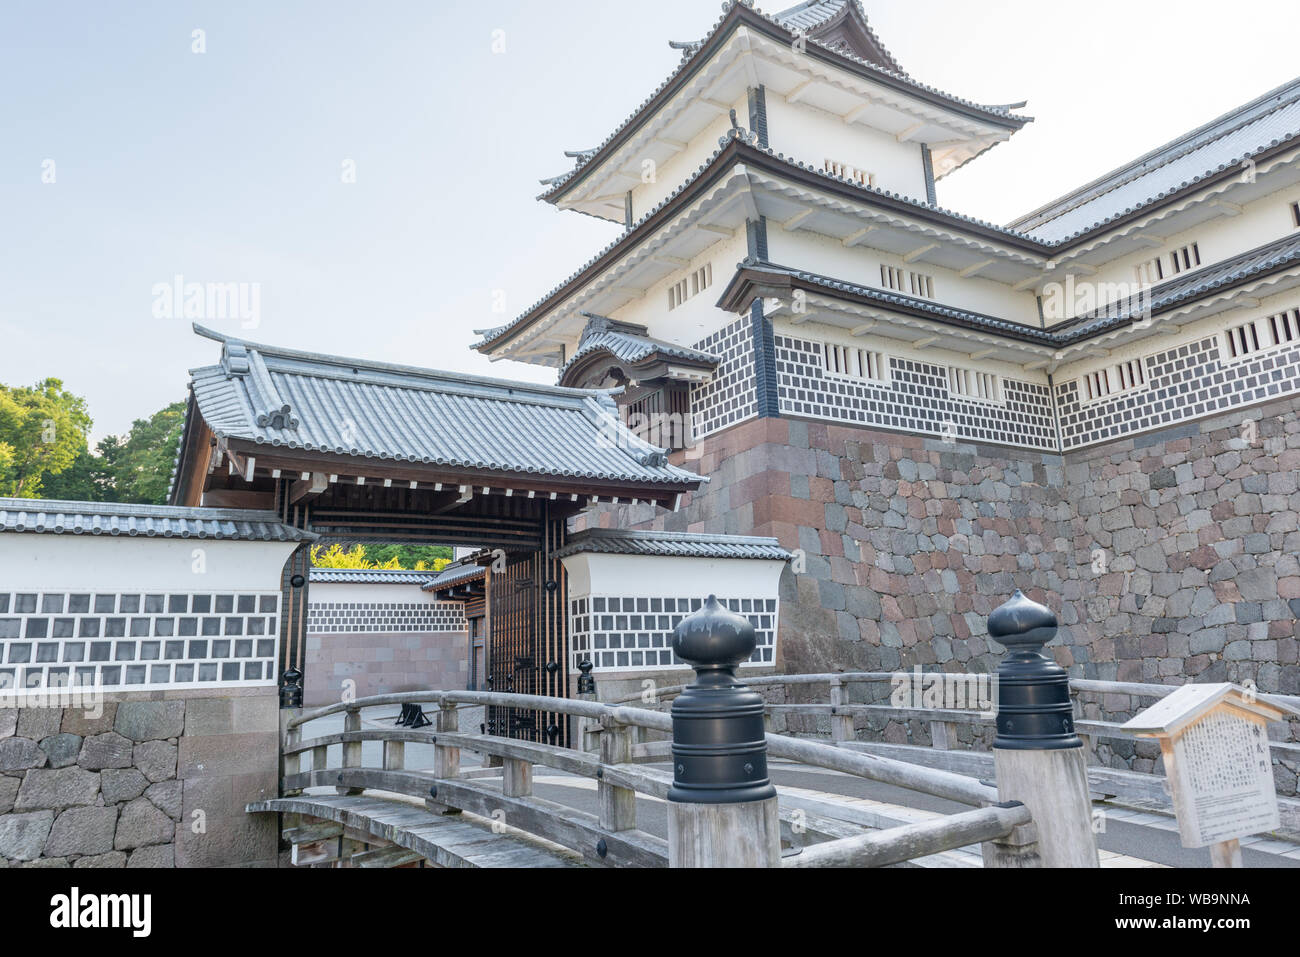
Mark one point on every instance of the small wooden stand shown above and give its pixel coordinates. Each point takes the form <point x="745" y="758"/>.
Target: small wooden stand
<point x="1214" y="738"/>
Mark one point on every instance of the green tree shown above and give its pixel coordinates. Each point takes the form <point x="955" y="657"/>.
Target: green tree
<point x="418" y="558"/>
<point x="141" y="464"/>
<point x="42" y="431"/>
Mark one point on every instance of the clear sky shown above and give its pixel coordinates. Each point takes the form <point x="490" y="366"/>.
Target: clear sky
<point x="227" y="166"/>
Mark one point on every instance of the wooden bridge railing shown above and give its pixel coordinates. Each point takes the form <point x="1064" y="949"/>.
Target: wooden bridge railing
<point x="722" y="807"/>
<point x="611" y="837"/>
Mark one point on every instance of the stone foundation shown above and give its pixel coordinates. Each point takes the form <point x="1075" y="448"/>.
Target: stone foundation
<point x="1168" y="557"/>
<point x="154" y="780"/>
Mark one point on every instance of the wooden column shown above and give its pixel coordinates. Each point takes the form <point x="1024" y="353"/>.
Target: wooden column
<point x="841" y="723"/>
<point x="617" y="805"/>
<point x="351" y="749"/>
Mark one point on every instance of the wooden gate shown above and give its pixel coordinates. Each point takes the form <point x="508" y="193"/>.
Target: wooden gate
<point x="528" y="644"/>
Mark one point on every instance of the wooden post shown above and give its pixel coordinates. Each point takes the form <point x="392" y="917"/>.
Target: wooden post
<point x="291" y="737"/>
<point x="351" y="749"/>
<point x="943" y="735"/>
<point x="1226" y="854"/>
<point x="617" y="805"/>
<point x="446" y="758"/>
<point x="394" y="755"/>
<point x="841" y="722"/>
<point x="1039" y="760"/>
<point x="587" y="738"/>
<point x="517" y="778"/>
<point x="722" y="809"/>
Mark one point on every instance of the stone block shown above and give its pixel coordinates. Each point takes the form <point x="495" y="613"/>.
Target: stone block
<point x="122" y="785"/>
<point x="113" y="859"/>
<point x="8" y="791"/>
<point x="8" y="722"/>
<point x="166" y="797"/>
<point x="55" y="789"/>
<point x="229" y="840"/>
<point x="20" y="754"/>
<point x="62" y="749"/>
<point x="82" y="830"/>
<point x="22" y="836"/>
<point x="142" y="824"/>
<point x="156" y="760"/>
<point x="38" y="723"/>
<point x="107" y="750"/>
<point x="150" y="720"/>
<point x="85" y="723"/>
<point x="157" y="855"/>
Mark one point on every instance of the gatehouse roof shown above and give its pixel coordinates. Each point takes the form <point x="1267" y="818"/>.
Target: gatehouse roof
<point x="281" y="402"/>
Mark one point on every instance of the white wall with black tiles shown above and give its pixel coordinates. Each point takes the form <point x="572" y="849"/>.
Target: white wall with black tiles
<point x="731" y="396"/>
<point x="1183" y="382"/>
<point x="367" y="608"/>
<point x="634" y="633"/>
<point x="137" y="612"/>
<point x="390" y="617"/>
<point x="136" y="639"/>
<point x="916" y="397"/>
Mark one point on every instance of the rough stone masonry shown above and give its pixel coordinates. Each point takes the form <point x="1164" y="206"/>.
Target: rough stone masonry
<point x="153" y="781"/>
<point x="1168" y="557"/>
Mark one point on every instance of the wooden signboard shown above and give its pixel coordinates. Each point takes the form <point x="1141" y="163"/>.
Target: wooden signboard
<point x="1214" y="738"/>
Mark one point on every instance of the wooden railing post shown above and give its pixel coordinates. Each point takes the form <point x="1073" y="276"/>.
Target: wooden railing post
<point x="292" y="763"/>
<point x="943" y="735"/>
<point x="516" y="778"/>
<point x="841" y="722"/>
<point x="617" y="805"/>
<point x="394" y="755"/>
<point x="721" y="808"/>
<point x="351" y="749"/>
<point x="446" y="758"/>
<point x="1039" y="759"/>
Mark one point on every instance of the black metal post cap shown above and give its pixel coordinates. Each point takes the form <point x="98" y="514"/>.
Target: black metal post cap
<point x="1034" y="708"/>
<point x="719" y="742"/>
<point x="291" y="689"/>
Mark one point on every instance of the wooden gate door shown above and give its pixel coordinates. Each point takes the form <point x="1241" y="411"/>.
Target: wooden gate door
<point x="528" y="646"/>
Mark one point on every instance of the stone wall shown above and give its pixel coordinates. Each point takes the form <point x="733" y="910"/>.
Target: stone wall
<point x="380" y="663"/>
<point x="153" y="780"/>
<point x="1168" y="557"/>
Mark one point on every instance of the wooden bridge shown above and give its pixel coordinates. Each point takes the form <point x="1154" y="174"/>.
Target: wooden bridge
<point x="1039" y="812"/>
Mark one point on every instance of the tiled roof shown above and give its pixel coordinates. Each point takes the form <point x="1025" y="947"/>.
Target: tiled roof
<point x="737" y="139"/>
<point x="53" y="517"/>
<point x="1189" y="286"/>
<point x="1000" y="114"/>
<point x="886" y="298"/>
<point x="369" y="576"/>
<point x="811" y="14"/>
<point x="457" y="574"/>
<point x="1258" y="262"/>
<point x="672" y="545"/>
<point x="1224" y="143"/>
<point x="632" y="349"/>
<point x="281" y="398"/>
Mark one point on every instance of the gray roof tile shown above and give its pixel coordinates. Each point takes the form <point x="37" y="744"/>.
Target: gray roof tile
<point x="49" y="516"/>
<point x="1224" y="143"/>
<point x="672" y="545"/>
<point x="633" y="349"/>
<point x="1001" y="114"/>
<point x="370" y="576"/>
<point x="455" y="574"/>
<point x="287" y="399"/>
